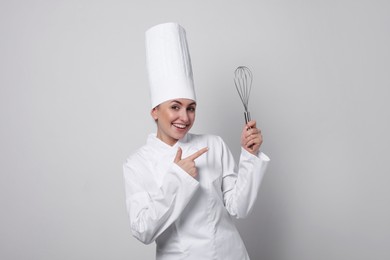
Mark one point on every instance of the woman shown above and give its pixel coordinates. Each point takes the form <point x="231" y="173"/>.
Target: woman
<point x="182" y="189"/>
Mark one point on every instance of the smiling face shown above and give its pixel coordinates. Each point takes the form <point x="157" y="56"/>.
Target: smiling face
<point x="174" y="119"/>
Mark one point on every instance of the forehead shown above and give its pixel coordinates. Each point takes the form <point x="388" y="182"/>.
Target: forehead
<point x="181" y="101"/>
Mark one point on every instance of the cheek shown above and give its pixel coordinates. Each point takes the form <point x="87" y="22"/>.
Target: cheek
<point x="171" y="117"/>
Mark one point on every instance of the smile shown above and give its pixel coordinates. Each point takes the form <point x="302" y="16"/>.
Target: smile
<point x="181" y="126"/>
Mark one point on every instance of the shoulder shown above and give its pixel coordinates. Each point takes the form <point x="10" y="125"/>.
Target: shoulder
<point x="137" y="160"/>
<point x="138" y="156"/>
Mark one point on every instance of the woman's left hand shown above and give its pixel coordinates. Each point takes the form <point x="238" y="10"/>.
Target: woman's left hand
<point x="251" y="138"/>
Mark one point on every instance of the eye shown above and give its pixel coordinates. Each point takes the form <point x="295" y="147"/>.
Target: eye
<point x="175" y="107"/>
<point x="191" y="109"/>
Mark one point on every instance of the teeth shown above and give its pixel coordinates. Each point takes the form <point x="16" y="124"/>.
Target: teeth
<point x="180" y="126"/>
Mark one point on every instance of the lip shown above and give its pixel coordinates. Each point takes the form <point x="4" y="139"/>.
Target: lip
<point x="180" y="127"/>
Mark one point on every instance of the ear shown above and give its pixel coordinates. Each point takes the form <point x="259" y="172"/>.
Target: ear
<point x="154" y="113"/>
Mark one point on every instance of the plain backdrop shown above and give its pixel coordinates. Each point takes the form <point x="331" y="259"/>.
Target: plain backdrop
<point x="74" y="103"/>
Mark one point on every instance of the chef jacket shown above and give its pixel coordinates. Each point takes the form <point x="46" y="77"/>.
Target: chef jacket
<point x="191" y="218"/>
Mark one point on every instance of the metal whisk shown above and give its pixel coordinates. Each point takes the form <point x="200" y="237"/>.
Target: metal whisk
<point x="243" y="81"/>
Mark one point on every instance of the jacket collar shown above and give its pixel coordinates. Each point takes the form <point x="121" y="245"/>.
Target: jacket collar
<point x="153" y="140"/>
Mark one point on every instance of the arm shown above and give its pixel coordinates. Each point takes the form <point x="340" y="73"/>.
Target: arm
<point x="240" y="189"/>
<point x="240" y="186"/>
<point x="152" y="212"/>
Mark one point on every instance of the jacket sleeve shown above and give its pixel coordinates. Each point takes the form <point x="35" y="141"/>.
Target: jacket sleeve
<point x="151" y="212"/>
<point x="240" y="184"/>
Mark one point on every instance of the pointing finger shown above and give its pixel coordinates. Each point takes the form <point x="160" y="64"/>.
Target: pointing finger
<point x="198" y="153"/>
<point x="178" y="155"/>
<point x="251" y="124"/>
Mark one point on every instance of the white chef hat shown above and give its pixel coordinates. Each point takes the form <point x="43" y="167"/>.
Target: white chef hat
<point x="168" y="63"/>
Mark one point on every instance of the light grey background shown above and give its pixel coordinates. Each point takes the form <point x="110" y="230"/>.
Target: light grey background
<point x="74" y="104"/>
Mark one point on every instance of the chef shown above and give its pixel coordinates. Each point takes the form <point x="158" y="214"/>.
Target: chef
<point x="182" y="189"/>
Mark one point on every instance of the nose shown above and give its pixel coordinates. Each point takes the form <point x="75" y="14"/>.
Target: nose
<point x="184" y="115"/>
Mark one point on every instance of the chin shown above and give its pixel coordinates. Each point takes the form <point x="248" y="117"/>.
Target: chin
<point x="180" y="136"/>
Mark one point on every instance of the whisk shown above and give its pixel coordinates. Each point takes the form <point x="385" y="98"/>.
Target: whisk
<point x="243" y="81"/>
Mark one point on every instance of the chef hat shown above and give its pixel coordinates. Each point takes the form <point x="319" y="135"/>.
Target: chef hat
<point x="168" y="63"/>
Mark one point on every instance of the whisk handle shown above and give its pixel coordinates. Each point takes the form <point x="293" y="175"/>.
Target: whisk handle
<point x="247" y="117"/>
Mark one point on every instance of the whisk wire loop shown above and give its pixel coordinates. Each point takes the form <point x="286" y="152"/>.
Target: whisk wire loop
<point x="243" y="80"/>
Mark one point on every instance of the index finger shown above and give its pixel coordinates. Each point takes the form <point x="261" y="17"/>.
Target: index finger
<point x="251" y="124"/>
<point x="197" y="154"/>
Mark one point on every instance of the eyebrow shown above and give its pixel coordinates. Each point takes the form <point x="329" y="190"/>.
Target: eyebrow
<point x="177" y="101"/>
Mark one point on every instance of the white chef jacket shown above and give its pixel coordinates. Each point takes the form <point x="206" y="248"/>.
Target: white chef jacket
<point x="191" y="218"/>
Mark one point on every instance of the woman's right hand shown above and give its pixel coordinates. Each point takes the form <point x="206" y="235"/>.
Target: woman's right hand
<point x="188" y="163"/>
